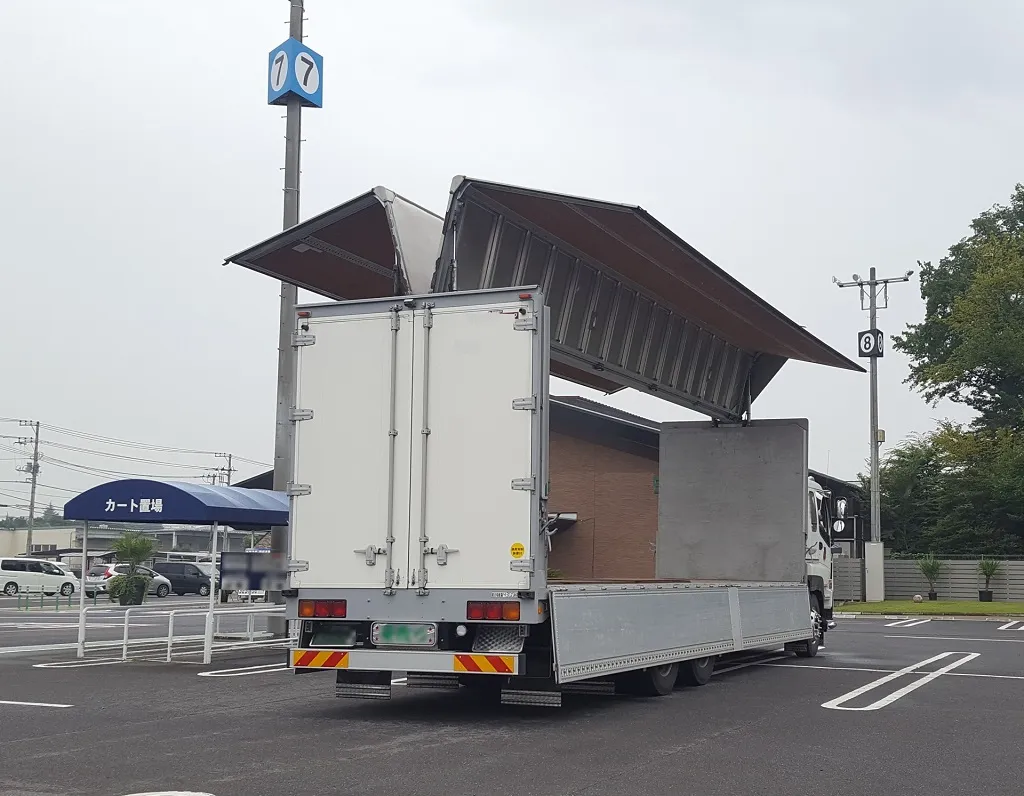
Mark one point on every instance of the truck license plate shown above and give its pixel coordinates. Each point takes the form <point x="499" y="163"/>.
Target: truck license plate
<point x="403" y="635"/>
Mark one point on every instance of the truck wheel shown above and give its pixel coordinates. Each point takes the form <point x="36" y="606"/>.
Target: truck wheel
<point x="659" y="680"/>
<point x="809" y="649"/>
<point x="696" y="672"/>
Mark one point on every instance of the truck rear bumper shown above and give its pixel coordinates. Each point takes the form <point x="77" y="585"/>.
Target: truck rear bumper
<point x="412" y="661"/>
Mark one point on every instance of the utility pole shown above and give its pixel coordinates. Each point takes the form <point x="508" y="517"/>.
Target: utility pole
<point x="870" y="345"/>
<point x="294" y="80"/>
<point x="33" y="470"/>
<point x="227" y="471"/>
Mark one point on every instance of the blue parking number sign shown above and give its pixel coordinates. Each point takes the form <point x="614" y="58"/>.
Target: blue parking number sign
<point x="294" y="70"/>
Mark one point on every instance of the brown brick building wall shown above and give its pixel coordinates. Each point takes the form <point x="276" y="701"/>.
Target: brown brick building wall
<point x="610" y="483"/>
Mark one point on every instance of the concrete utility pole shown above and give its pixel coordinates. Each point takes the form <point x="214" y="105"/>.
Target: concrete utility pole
<point x="33" y="470"/>
<point x="869" y="344"/>
<point x="289" y="299"/>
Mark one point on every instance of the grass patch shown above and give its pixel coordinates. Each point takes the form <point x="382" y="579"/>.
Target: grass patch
<point x="937" y="608"/>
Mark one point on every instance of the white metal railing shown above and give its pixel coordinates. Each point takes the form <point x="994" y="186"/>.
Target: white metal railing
<point x="211" y="625"/>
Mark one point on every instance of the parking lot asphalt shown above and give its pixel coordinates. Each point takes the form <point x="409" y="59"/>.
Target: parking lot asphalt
<point x="933" y="708"/>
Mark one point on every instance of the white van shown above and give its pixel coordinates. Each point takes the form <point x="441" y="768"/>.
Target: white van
<point x="35" y="575"/>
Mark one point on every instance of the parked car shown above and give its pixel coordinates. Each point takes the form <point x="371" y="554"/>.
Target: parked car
<point x="32" y="574"/>
<point x="99" y="575"/>
<point x="185" y="577"/>
<point x="65" y="568"/>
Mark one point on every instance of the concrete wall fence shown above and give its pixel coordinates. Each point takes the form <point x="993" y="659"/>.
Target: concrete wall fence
<point x="959" y="580"/>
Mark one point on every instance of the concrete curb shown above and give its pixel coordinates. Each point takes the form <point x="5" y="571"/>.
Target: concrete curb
<point x="837" y="615"/>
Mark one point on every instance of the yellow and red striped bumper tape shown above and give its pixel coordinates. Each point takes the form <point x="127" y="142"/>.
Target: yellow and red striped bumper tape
<point x="485" y="664"/>
<point x="319" y="659"/>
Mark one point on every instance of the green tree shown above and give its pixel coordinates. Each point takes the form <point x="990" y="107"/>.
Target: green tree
<point x="970" y="346"/>
<point x="955" y="491"/>
<point x="910" y="481"/>
<point x="51" y="516"/>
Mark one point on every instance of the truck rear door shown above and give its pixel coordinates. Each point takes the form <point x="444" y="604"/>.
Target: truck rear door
<point x="352" y="453"/>
<point x="421" y="461"/>
<point x="477" y="449"/>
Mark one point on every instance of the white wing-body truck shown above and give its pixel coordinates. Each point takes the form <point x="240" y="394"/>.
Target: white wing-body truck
<point x="420" y="531"/>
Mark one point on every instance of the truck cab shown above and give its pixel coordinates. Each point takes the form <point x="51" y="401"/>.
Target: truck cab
<point x="820" y="551"/>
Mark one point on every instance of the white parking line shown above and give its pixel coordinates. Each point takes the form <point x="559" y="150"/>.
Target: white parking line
<point x="241" y="671"/>
<point x="35" y="704"/>
<point x="1010" y="625"/>
<point x="957" y="638"/>
<point x="171" y="793"/>
<point x="838" y="702"/>
<point x="888" y="671"/>
<point x="908" y="623"/>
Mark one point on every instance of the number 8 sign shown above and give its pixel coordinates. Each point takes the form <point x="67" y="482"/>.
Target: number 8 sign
<point x="869" y="343"/>
<point x="295" y="72"/>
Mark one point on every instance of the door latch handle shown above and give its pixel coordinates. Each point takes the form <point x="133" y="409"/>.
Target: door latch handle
<point x="442" y="552"/>
<point x="371" y="554"/>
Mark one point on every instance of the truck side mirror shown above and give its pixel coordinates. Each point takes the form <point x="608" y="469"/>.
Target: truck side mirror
<point x="841" y="508"/>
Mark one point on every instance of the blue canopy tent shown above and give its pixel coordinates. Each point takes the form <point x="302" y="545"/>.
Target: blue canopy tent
<point x="143" y="500"/>
<point x="146" y="500"/>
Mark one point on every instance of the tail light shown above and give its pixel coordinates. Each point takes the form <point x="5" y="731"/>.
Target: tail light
<point x="323" y="609"/>
<point x="492" y="612"/>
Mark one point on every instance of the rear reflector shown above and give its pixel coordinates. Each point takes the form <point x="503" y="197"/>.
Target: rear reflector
<point x="493" y="612"/>
<point x="323" y="609"/>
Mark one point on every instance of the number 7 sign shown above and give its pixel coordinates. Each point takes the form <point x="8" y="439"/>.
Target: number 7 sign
<point x="295" y="72"/>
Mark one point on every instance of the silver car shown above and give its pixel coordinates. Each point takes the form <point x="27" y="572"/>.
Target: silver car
<point x="99" y="575"/>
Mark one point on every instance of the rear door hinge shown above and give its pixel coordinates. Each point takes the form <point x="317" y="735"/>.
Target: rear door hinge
<point x="297" y="490"/>
<point x="527" y="324"/>
<point x="299" y="340"/>
<point x="521" y="565"/>
<point x="301" y="414"/>
<point x="525" y="404"/>
<point x="525" y="484"/>
<point x="298" y="566"/>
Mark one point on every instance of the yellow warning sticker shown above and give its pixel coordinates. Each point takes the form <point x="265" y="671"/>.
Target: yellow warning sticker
<point x="518" y="550"/>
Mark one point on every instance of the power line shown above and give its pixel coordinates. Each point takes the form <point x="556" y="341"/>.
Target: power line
<point x="95" y="452"/>
<point x="117" y="441"/>
<point x="251" y="461"/>
<point x="60" y="488"/>
<point x="89" y="470"/>
<point x="124" y="442"/>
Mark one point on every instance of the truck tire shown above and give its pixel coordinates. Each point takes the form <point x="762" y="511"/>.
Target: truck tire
<point x="658" y="680"/>
<point x="808" y="649"/>
<point x="696" y="672"/>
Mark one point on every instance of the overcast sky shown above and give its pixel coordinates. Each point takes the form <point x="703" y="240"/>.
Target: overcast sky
<point x="788" y="141"/>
